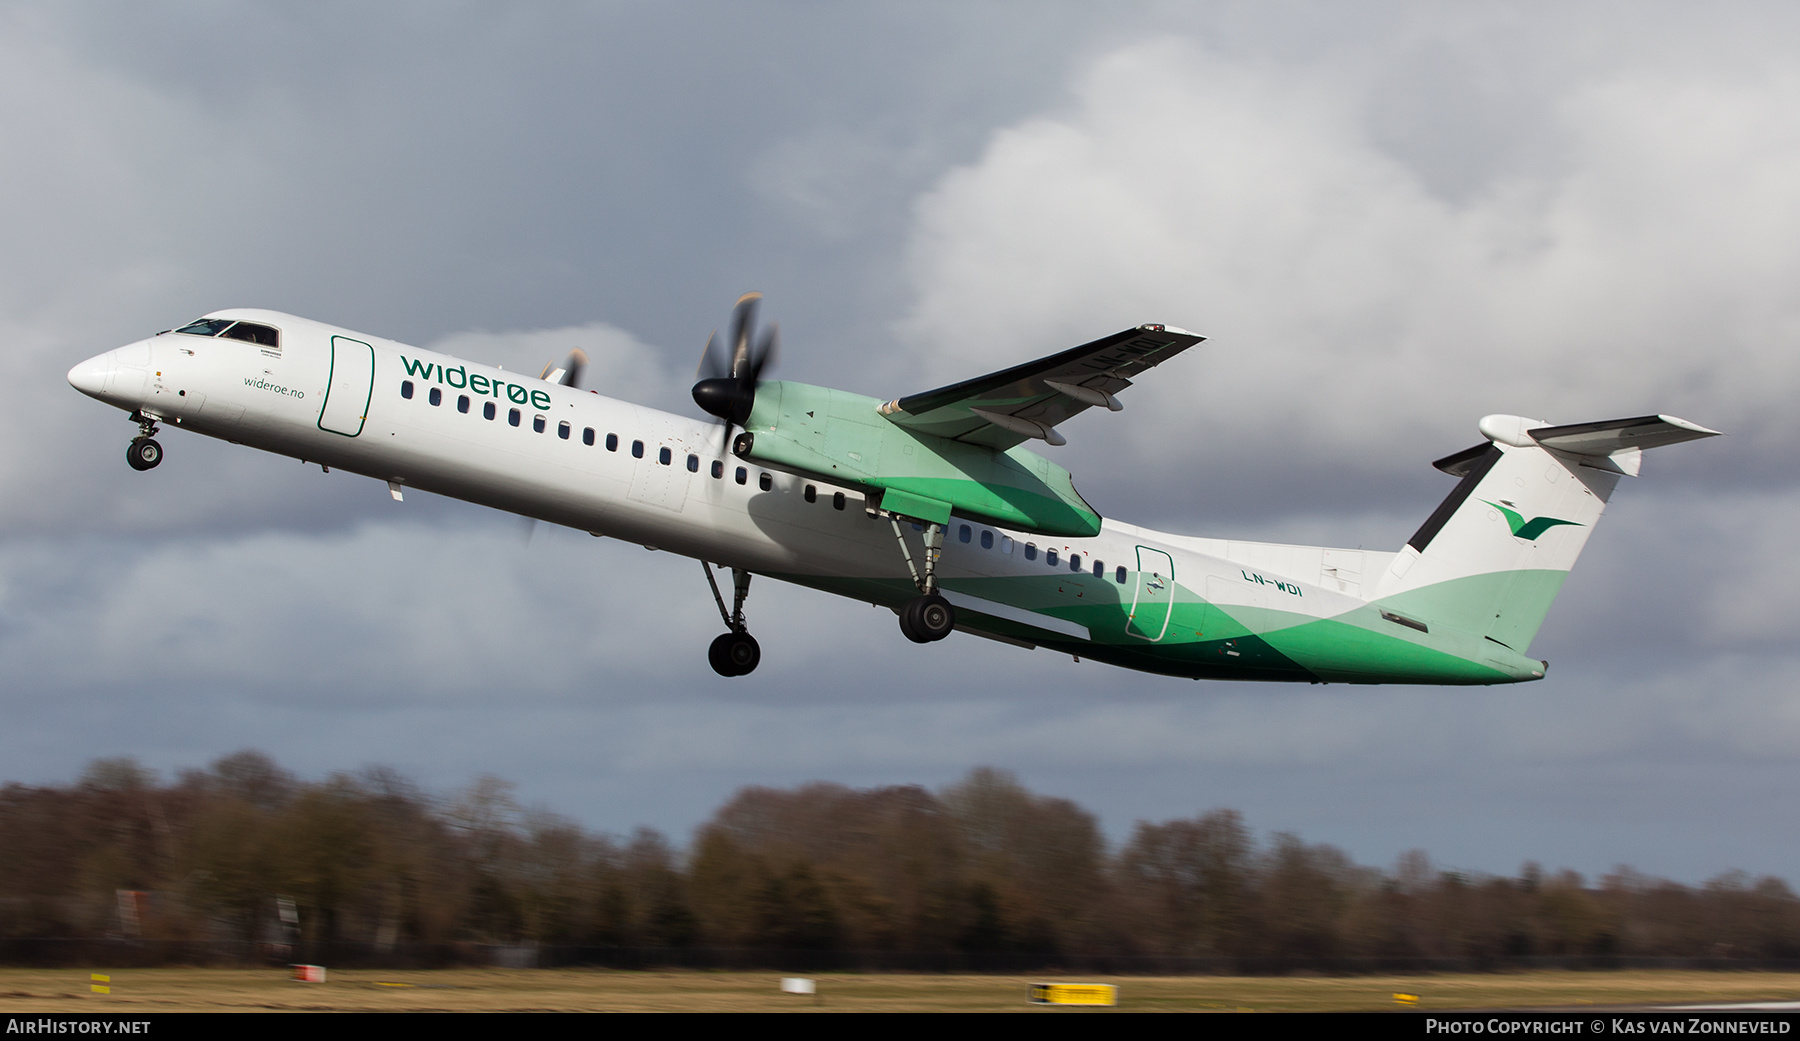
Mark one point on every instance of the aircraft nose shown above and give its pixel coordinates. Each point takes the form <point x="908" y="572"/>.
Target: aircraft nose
<point x="89" y="377"/>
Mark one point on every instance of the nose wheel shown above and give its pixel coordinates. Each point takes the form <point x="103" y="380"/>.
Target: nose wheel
<point x="735" y="653"/>
<point x="144" y="453"/>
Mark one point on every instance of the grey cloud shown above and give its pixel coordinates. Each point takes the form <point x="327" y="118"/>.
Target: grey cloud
<point x="1390" y="221"/>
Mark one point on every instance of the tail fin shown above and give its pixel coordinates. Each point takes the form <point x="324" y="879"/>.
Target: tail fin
<point x="1492" y="556"/>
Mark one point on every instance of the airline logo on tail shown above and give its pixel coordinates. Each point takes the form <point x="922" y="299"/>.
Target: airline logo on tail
<point x="1529" y="530"/>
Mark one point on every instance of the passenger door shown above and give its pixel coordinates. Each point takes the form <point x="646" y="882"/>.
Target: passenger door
<point x="1153" y="596"/>
<point x="351" y="384"/>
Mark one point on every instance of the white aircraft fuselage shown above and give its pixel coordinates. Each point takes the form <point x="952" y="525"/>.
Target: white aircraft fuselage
<point x="1143" y="599"/>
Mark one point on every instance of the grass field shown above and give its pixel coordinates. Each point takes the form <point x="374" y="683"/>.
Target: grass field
<point x="502" y="990"/>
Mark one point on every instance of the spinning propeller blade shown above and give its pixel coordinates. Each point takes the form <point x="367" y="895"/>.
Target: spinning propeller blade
<point x="727" y="385"/>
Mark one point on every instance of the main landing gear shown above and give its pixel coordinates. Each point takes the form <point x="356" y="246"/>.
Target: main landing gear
<point x="928" y="617"/>
<point x="144" y="453"/>
<point x="735" y="653"/>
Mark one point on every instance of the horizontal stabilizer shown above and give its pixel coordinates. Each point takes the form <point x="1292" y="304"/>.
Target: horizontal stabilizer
<point x="1611" y="444"/>
<point x="1610" y="436"/>
<point x="1597" y="439"/>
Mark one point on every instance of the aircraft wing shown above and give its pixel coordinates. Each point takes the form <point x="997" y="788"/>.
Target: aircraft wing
<point x="1012" y="406"/>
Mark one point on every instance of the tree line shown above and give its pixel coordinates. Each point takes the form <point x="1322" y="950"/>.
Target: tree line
<point x="246" y="852"/>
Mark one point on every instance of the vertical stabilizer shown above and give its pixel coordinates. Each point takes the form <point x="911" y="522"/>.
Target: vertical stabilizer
<point x="1491" y="558"/>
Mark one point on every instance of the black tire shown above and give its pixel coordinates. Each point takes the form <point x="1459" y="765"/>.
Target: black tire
<point x="734" y="654"/>
<point x="909" y="622"/>
<point x="143" y="453"/>
<point x="744" y="653"/>
<point x="936" y="618"/>
<point x="719" y="655"/>
<point x="927" y="619"/>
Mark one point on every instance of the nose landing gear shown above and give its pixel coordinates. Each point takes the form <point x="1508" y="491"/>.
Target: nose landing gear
<point x="144" y="453"/>
<point x="735" y="653"/>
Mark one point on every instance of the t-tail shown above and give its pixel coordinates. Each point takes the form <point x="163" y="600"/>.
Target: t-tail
<point x="1492" y="557"/>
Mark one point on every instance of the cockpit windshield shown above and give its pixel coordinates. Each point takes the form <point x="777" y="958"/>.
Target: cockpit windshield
<point x="206" y="327"/>
<point x="253" y="333"/>
<point x="249" y="332"/>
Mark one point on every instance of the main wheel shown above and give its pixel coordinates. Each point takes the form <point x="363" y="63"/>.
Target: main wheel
<point x="936" y="617"/>
<point x="734" y="654"/>
<point x="143" y="453"/>
<point x="927" y="619"/>
<point x="909" y="622"/>
<point x="744" y="653"/>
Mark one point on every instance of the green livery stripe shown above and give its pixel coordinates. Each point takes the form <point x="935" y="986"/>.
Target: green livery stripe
<point x="1342" y="650"/>
<point x="1508" y="606"/>
<point x="1208" y="640"/>
<point x="1001" y="504"/>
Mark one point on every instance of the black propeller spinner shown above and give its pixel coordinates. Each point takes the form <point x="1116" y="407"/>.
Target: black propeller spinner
<point x="727" y="386"/>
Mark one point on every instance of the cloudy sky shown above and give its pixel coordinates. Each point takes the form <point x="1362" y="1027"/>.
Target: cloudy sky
<point x="1389" y="220"/>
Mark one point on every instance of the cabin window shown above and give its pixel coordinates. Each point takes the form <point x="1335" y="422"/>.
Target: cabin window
<point x="987" y="539"/>
<point x="765" y="482"/>
<point x="250" y="332"/>
<point x="562" y="430"/>
<point x="1030" y="551"/>
<point x="812" y="493"/>
<point x="718" y="469"/>
<point x="612" y="442"/>
<point x="637" y="450"/>
<point x="1006" y="544"/>
<point x="462" y="403"/>
<point x="587" y="436"/>
<point x="1074" y="562"/>
<point x="1119" y="576"/>
<point x="1099" y="569"/>
<point x="742" y="475"/>
<point x="1050" y="557"/>
<point x="538" y="424"/>
<point x="406" y="389"/>
<point x="693" y="463"/>
<point x="965" y="534"/>
<point x="837" y="500"/>
<point x="512" y="416"/>
<point x="487" y="410"/>
<point x="664" y="455"/>
<point x="436" y="396"/>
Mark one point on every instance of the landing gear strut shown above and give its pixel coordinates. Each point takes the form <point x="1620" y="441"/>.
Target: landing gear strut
<point x="144" y="453"/>
<point x="928" y="617"/>
<point x="735" y="653"/>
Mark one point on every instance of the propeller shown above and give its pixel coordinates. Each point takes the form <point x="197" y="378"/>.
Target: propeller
<point x="729" y="375"/>
<point x="569" y="372"/>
